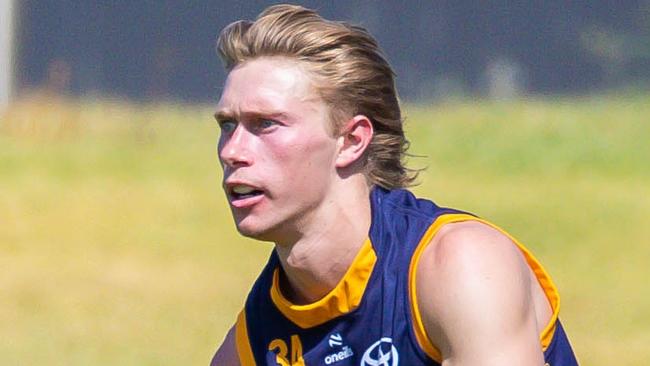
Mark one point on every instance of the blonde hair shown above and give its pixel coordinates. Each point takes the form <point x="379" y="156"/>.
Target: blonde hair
<point x="352" y="77"/>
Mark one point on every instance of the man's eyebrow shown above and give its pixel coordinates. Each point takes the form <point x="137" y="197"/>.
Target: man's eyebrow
<point x="222" y="115"/>
<point x="267" y="114"/>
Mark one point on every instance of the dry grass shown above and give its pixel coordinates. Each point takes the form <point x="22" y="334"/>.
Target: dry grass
<point x="116" y="246"/>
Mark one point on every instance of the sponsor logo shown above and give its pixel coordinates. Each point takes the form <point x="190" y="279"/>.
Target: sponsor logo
<point x="381" y="353"/>
<point x="339" y="356"/>
<point x="335" y="340"/>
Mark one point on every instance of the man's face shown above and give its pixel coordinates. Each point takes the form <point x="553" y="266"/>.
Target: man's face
<point x="275" y="149"/>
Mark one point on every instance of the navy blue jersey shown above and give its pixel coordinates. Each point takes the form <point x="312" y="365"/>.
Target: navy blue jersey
<point x="371" y="317"/>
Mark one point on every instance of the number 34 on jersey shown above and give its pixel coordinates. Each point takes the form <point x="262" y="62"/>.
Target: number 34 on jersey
<point x="281" y="350"/>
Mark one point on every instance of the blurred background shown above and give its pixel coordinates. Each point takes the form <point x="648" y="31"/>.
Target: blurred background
<point x="116" y="244"/>
<point x="164" y="49"/>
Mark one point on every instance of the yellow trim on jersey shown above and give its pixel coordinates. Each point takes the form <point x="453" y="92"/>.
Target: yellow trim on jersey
<point x="244" y="350"/>
<point x="542" y="277"/>
<point x="344" y="298"/>
<point x="420" y="332"/>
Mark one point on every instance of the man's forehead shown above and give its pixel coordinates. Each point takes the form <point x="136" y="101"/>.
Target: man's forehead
<point x="261" y="101"/>
<point x="267" y="84"/>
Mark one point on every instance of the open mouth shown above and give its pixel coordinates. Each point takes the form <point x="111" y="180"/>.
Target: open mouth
<point x="241" y="191"/>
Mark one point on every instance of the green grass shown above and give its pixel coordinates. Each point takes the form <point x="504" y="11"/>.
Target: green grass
<point x="116" y="245"/>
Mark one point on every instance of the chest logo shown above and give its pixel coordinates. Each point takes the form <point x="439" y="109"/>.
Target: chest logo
<point x="335" y="340"/>
<point x="381" y="353"/>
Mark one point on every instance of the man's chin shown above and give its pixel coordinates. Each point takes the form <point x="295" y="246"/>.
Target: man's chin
<point x="253" y="232"/>
<point x="264" y="229"/>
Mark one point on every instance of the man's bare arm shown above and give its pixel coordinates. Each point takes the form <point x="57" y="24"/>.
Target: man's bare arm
<point x="227" y="353"/>
<point x="475" y="298"/>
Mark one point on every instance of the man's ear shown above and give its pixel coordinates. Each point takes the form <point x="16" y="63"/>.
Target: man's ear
<point x="354" y="140"/>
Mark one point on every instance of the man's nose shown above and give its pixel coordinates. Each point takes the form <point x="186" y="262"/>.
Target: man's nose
<point x="234" y="149"/>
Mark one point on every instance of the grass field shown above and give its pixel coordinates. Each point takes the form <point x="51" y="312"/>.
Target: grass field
<point x="117" y="248"/>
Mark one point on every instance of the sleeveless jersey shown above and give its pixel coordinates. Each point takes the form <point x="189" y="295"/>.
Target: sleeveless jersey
<point x="371" y="317"/>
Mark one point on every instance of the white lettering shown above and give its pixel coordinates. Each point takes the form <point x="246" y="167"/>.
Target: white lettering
<point x="339" y="356"/>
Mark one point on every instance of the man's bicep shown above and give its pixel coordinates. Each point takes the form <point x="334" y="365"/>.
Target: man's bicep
<point x="227" y="354"/>
<point x="475" y="299"/>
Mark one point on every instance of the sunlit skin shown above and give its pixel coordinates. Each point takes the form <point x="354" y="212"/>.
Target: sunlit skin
<point x="274" y="138"/>
<point x="311" y="196"/>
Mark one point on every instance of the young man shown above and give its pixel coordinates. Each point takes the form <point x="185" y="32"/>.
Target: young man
<point x="363" y="273"/>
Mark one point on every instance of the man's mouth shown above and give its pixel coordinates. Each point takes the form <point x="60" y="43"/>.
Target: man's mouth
<point x="241" y="191"/>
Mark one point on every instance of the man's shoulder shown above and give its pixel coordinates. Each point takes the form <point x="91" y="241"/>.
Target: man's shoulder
<point x="461" y="253"/>
<point x="474" y="280"/>
<point x="474" y="241"/>
<point x="226" y="355"/>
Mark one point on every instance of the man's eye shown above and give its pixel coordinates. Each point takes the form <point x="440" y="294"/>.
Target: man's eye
<point x="267" y="123"/>
<point x="227" y="126"/>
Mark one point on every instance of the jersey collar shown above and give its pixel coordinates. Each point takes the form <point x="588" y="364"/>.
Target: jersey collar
<point x="344" y="297"/>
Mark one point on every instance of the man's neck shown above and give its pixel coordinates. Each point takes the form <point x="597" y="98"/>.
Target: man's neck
<point x="315" y="263"/>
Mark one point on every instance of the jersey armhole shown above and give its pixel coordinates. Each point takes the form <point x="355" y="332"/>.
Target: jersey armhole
<point x="244" y="351"/>
<point x="542" y="276"/>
